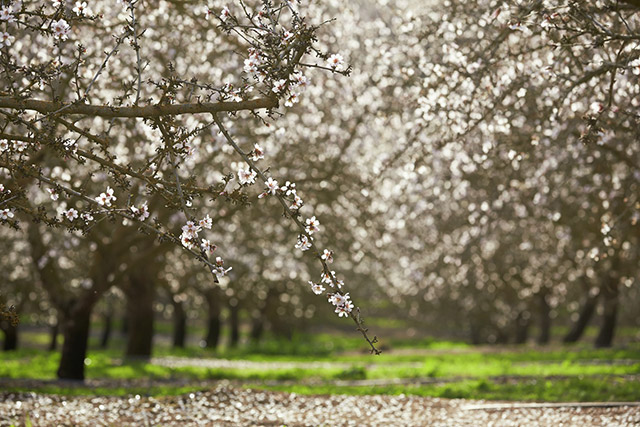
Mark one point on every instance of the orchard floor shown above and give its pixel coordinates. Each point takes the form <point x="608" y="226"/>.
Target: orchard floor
<point x="226" y="405"/>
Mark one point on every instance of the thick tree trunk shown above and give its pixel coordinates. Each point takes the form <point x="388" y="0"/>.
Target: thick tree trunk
<point x="106" y="331"/>
<point x="10" y="331"/>
<point x="610" y="314"/>
<point x="523" y="322"/>
<point x="140" y="297"/>
<point x="545" y="318"/>
<point x="53" y="336"/>
<point x="586" y="313"/>
<point x="234" y="323"/>
<point x="214" y="323"/>
<point x="179" y="325"/>
<point x="75" y="329"/>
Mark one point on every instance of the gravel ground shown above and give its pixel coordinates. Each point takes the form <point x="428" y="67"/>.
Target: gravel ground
<point x="229" y="406"/>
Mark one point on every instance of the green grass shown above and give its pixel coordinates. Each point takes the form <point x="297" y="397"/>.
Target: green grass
<point x="455" y="370"/>
<point x="574" y="389"/>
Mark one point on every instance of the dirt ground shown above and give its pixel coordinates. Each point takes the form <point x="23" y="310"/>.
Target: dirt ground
<point x="231" y="406"/>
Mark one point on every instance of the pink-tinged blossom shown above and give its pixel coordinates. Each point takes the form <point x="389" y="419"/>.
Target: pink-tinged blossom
<point x="291" y="99"/>
<point x="105" y="199"/>
<point x="208" y="13"/>
<point x="6" y="39"/>
<point x="327" y="277"/>
<point x="142" y="212"/>
<point x="246" y="176"/>
<point x="53" y="194"/>
<point x="317" y="288"/>
<point x="225" y="14"/>
<point x="272" y="186"/>
<point x="220" y="267"/>
<point x="207" y="246"/>
<point x="313" y="225"/>
<point x="327" y="255"/>
<point x="4" y="145"/>
<point x="81" y="8"/>
<point x="278" y="86"/>
<point x="187" y="240"/>
<point x="297" y="203"/>
<point x="288" y="188"/>
<point x="6" y="214"/>
<point x="257" y="153"/>
<point x="191" y="229"/>
<point x="335" y="61"/>
<point x="206" y="222"/>
<point x="61" y="29"/>
<point x="344" y="309"/>
<point x="71" y="214"/>
<point x="6" y="14"/>
<point x="303" y="242"/>
<point x="301" y="81"/>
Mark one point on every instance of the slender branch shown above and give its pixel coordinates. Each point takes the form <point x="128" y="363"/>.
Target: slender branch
<point x="355" y="314"/>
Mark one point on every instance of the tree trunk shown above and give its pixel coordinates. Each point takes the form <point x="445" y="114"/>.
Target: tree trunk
<point x="609" y="316"/>
<point x="257" y="326"/>
<point x="586" y="313"/>
<point x="234" y="323"/>
<point x="545" y="318"/>
<point x="75" y="329"/>
<point x="179" y="324"/>
<point x="522" y="327"/>
<point x="53" y="336"/>
<point x="10" y="331"/>
<point x="213" y="319"/>
<point x="140" y="296"/>
<point x="106" y="332"/>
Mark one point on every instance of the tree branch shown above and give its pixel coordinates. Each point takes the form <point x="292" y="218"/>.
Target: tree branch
<point x="46" y="107"/>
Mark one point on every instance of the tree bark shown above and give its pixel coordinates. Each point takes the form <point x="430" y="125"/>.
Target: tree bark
<point x="610" y="315"/>
<point x="10" y="331"/>
<point x="586" y="313"/>
<point x="75" y="329"/>
<point x="257" y="326"/>
<point x="234" y="323"/>
<point x="523" y="322"/>
<point x="545" y="318"/>
<point x="179" y="324"/>
<point x="106" y="331"/>
<point x="140" y="296"/>
<point x="214" y="323"/>
<point x="53" y="336"/>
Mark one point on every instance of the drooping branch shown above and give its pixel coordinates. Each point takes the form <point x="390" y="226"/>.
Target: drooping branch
<point x="47" y="107"/>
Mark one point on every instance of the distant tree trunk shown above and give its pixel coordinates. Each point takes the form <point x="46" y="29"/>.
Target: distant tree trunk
<point x="124" y="326"/>
<point x="585" y="315"/>
<point x="140" y="297"/>
<point x="75" y="329"/>
<point x="257" y="326"/>
<point x="53" y="336"/>
<point x="474" y="332"/>
<point x="10" y="331"/>
<point x="545" y="317"/>
<point x="213" y="318"/>
<point x="609" y="316"/>
<point x="234" y="323"/>
<point x="523" y="322"/>
<point x="179" y="324"/>
<point x="106" y="331"/>
<point x="280" y="325"/>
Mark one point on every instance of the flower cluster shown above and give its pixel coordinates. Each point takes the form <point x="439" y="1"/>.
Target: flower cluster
<point x="105" y="199"/>
<point x="342" y="302"/>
